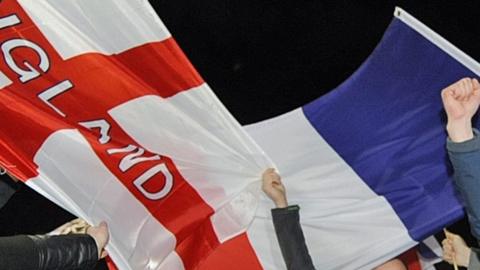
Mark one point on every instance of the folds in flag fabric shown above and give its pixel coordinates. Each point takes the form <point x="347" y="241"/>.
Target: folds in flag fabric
<point x="104" y="115"/>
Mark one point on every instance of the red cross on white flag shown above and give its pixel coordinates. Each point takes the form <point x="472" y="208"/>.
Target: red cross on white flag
<point x="103" y="113"/>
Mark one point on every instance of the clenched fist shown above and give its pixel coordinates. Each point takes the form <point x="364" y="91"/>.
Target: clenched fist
<point x="273" y="187"/>
<point x="461" y="101"/>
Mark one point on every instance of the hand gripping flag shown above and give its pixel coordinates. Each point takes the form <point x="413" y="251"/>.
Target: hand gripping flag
<point x="104" y="115"/>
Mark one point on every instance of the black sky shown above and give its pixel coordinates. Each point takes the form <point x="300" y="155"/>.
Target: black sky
<point x="264" y="58"/>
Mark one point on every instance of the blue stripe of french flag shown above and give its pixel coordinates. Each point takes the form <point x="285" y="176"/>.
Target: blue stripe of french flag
<point x="387" y="123"/>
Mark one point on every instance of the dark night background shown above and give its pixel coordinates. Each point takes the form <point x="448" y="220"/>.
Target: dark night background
<point x="264" y="58"/>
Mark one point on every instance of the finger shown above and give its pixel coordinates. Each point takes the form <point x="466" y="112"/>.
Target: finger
<point x="459" y="90"/>
<point x="464" y="84"/>
<point x="456" y="92"/>
<point x="476" y="89"/>
<point x="447" y="245"/>
<point x="469" y="89"/>
<point x="268" y="171"/>
<point x="450" y="92"/>
<point x="464" y="90"/>
<point x="450" y="96"/>
<point x="475" y="84"/>
<point x="446" y="92"/>
<point x="447" y="258"/>
<point x="469" y="85"/>
<point x="277" y="182"/>
<point x="448" y="234"/>
<point x="270" y="180"/>
<point x="267" y="178"/>
<point x="104" y="254"/>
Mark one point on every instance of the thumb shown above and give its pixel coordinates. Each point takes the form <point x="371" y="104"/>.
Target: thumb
<point x="269" y="170"/>
<point x="476" y="94"/>
<point x="449" y="99"/>
<point x="475" y="84"/>
<point x="448" y="234"/>
<point x="476" y="88"/>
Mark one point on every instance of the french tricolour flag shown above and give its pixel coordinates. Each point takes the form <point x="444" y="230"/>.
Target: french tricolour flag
<point x="367" y="162"/>
<point x="103" y="114"/>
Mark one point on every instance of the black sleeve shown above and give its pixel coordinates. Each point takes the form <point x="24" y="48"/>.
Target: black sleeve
<point x="290" y="238"/>
<point x="18" y="252"/>
<point x="7" y="189"/>
<point x="73" y="252"/>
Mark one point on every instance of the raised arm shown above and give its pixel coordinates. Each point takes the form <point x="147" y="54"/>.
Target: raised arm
<point x="286" y="221"/>
<point x="461" y="101"/>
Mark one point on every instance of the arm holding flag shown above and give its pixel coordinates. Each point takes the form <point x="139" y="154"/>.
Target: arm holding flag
<point x="456" y="250"/>
<point x="75" y="251"/>
<point x="461" y="101"/>
<point x="286" y="221"/>
<point x="72" y="251"/>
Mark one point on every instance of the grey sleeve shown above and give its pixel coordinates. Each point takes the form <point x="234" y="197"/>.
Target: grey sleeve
<point x="290" y="238"/>
<point x="474" y="259"/>
<point x="465" y="147"/>
<point x="465" y="158"/>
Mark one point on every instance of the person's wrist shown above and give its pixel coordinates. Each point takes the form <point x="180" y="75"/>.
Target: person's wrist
<point x="465" y="261"/>
<point x="460" y="130"/>
<point x="281" y="203"/>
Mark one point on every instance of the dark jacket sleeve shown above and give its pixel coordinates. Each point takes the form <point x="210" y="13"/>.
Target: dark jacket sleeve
<point x="474" y="259"/>
<point x="7" y="189"/>
<point x="465" y="158"/>
<point x="72" y="252"/>
<point x="290" y="238"/>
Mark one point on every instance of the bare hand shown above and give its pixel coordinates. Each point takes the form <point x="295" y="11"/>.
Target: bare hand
<point x="455" y="250"/>
<point x="273" y="187"/>
<point x="461" y="101"/>
<point x="100" y="235"/>
<point x="76" y="226"/>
